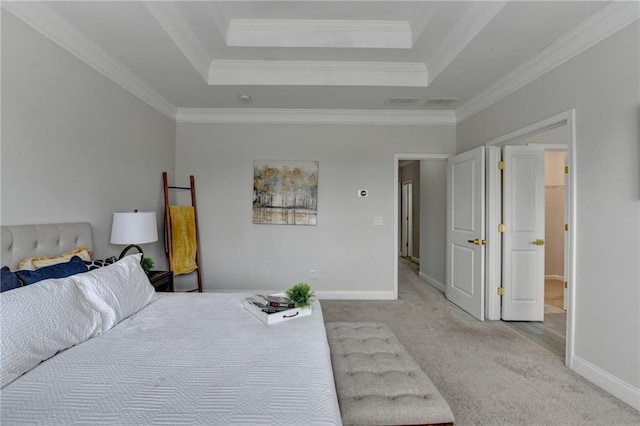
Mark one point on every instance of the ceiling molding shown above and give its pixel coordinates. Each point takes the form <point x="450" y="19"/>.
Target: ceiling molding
<point x="330" y="33"/>
<point x="421" y="17"/>
<point x="611" y="19"/>
<point x="313" y="116"/>
<point x="466" y="29"/>
<point x="178" y="30"/>
<point x="317" y="73"/>
<point x="50" y="24"/>
<point x="219" y="14"/>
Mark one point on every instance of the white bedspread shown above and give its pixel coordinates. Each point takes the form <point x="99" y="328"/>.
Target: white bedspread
<point x="185" y="359"/>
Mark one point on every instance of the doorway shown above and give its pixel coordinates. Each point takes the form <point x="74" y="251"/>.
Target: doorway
<point x="425" y="251"/>
<point x="551" y="331"/>
<point x="407" y="217"/>
<point x="539" y="133"/>
<point x="555" y="220"/>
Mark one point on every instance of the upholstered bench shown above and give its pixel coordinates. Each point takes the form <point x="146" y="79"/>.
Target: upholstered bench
<point x="377" y="382"/>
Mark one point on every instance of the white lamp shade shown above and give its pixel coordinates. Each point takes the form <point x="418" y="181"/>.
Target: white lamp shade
<point x="134" y="228"/>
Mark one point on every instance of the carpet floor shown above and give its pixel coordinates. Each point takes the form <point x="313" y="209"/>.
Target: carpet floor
<point x="489" y="373"/>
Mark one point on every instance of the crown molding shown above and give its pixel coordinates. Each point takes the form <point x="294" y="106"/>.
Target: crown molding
<point x="178" y="30"/>
<point x="317" y="73"/>
<point x="219" y="15"/>
<point x="50" y="24"/>
<point x="319" y="33"/>
<point x="464" y="32"/>
<point x="314" y="116"/>
<point x="420" y="18"/>
<point x="611" y="19"/>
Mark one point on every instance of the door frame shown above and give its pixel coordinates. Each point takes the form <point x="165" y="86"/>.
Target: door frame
<point x="492" y="300"/>
<point x="396" y="203"/>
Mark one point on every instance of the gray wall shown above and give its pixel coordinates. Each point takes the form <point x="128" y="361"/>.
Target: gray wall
<point x="602" y="84"/>
<point x="75" y="146"/>
<point x="433" y="221"/>
<point x="411" y="172"/>
<point x="350" y="254"/>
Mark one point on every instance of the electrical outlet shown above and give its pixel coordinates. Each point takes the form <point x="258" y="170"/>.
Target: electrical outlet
<point x="377" y="221"/>
<point x="313" y="274"/>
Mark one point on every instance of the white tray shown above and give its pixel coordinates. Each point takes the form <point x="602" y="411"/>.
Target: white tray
<point x="277" y="317"/>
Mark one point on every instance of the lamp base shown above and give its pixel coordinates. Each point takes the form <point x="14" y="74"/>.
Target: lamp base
<point x="129" y="247"/>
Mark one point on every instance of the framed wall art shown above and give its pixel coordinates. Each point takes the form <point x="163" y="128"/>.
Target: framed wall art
<point x="285" y="192"/>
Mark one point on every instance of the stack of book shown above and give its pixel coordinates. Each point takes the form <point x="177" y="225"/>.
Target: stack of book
<point x="275" y="308"/>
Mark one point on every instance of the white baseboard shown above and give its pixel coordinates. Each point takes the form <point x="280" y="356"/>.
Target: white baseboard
<point x="415" y="260"/>
<point x="616" y="387"/>
<point x="329" y="295"/>
<point x="240" y="290"/>
<point x="554" y="277"/>
<point x="356" y="295"/>
<point x="432" y="281"/>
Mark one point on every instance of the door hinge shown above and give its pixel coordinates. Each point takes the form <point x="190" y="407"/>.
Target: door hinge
<point x="500" y="291"/>
<point x="502" y="227"/>
<point x="501" y="165"/>
<point x="566" y="227"/>
<point x="566" y="284"/>
<point x="566" y="170"/>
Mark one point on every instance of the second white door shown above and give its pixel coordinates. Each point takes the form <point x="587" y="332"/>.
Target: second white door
<point x="523" y="239"/>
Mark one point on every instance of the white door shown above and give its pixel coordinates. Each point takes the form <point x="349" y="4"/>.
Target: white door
<point x="406" y="248"/>
<point x="464" y="275"/>
<point x="523" y="239"/>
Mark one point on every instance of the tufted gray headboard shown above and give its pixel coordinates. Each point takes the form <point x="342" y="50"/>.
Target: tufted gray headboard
<point x="22" y="241"/>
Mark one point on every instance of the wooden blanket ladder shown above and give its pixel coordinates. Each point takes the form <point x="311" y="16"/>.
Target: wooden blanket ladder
<point x="168" y="240"/>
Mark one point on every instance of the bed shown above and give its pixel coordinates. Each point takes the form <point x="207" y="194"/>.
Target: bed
<point x="183" y="358"/>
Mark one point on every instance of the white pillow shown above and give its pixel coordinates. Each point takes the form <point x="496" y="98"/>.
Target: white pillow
<point x="40" y="320"/>
<point x="116" y="291"/>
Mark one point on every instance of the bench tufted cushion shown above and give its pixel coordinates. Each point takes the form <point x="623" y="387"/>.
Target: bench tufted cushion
<point x="377" y="382"/>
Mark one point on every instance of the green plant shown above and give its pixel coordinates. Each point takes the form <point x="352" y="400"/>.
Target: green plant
<point x="300" y="294"/>
<point x="147" y="264"/>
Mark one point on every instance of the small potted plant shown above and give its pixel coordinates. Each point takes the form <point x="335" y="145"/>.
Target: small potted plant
<point x="147" y="264"/>
<point x="301" y="295"/>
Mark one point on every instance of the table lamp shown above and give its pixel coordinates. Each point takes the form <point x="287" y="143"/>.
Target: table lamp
<point x="133" y="228"/>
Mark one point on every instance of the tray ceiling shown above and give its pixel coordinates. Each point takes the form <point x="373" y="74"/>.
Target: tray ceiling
<point x="451" y="56"/>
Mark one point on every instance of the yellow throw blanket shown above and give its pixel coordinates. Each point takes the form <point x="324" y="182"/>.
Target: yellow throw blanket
<point x="183" y="239"/>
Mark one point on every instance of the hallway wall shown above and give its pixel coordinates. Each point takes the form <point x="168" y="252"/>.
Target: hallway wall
<point x="433" y="221"/>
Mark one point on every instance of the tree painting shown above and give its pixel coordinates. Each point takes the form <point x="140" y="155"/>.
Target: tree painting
<point x="285" y="192"/>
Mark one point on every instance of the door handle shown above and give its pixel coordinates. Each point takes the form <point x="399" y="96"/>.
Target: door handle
<point x="478" y="242"/>
<point x="538" y="242"/>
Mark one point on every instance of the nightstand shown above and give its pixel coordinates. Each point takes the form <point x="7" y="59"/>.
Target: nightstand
<point x="161" y="280"/>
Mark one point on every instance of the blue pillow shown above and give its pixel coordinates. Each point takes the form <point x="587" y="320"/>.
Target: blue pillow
<point x="59" y="270"/>
<point x="9" y="279"/>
